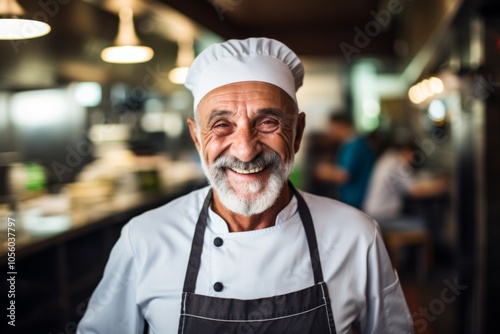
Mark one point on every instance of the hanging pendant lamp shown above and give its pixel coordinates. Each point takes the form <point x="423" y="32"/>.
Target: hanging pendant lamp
<point x="14" y="25"/>
<point x="185" y="56"/>
<point x="127" y="48"/>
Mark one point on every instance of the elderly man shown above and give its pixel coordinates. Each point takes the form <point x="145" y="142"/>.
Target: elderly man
<point x="249" y="254"/>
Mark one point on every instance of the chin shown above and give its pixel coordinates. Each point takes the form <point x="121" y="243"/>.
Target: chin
<point x="252" y="203"/>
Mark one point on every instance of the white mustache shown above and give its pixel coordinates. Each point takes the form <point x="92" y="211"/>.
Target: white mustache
<point x="263" y="160"/>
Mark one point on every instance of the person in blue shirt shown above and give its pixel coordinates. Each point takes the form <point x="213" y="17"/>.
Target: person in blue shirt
<point x="354" y="163"/>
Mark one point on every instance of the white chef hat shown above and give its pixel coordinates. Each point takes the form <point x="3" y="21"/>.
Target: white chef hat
<point x="252" y="59"/>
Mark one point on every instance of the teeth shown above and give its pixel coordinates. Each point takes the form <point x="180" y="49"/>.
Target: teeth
<point x="247" y="171"/>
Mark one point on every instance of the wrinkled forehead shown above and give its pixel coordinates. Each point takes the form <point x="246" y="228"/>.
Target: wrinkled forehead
<point x="246" y="95"/>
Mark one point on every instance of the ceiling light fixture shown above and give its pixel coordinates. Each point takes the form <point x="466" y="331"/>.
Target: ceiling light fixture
<point x="127" y="48"/>
<point x="14" y="25"/>
<point x="425" y="89"/>
<point x="185" y="56"/>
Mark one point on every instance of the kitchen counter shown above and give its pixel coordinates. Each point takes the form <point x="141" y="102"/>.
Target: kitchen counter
<point x="36" y="230"/>
<point x="60" y="257"/>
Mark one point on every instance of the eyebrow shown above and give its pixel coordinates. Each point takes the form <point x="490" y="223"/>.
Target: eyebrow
<point x="218" y="113"/>
<point x="271" y="111"/>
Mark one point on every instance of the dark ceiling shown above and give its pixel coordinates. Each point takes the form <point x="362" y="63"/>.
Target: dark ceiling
<point x="312" y="27"/>
<point x="414" y="36"/>
<point x="82" y="28"/>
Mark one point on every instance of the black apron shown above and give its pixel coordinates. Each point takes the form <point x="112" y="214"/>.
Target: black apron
<point x="301" y="312"/>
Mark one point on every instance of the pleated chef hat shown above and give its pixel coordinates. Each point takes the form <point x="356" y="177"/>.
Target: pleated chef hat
<point x="252" y="59"/>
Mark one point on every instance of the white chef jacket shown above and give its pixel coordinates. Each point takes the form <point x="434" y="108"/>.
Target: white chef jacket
<point x="145" y="273"/>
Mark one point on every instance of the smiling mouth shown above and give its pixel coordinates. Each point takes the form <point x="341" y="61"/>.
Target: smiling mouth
<point x="247" y="171"/>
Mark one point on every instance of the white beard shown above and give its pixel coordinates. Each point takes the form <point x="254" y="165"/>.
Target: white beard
<point x="245" y="200"/>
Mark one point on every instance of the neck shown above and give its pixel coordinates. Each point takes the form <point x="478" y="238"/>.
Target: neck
<point x="239" y="223"/>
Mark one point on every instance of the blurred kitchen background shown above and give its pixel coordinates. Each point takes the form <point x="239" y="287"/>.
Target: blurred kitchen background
<point x="86" y="143"/>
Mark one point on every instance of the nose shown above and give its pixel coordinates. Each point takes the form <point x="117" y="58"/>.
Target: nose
<point x="245" y="145"/>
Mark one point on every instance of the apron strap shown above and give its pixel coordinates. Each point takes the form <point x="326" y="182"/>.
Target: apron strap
<point x="197" y="247"/>
<point x="307" y="222"/>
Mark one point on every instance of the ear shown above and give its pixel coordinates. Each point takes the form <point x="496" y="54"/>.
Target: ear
<point x="192" y="131"/>
<point x="299" y="131"/>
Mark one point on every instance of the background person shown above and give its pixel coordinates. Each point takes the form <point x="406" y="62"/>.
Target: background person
<point x="353" y="165"/>
<point x="320" y="149"/>
<point x="393" y="178"/>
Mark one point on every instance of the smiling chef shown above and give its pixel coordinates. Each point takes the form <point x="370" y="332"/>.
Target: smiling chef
<point x="250" y="253"/>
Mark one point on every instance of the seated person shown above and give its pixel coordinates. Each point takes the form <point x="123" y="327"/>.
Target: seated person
<point x="392" y="179"/>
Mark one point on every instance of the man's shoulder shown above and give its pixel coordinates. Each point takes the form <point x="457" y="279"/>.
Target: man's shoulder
<point x="181" y="210"/>
<point x="334" y="217"/>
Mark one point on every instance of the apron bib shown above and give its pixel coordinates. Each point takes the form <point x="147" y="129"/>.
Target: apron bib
<point x="307" y="311"/>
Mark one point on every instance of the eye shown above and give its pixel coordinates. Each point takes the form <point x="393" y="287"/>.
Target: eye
<point x="267" y="125"/>
<point x="222" y="128"/>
